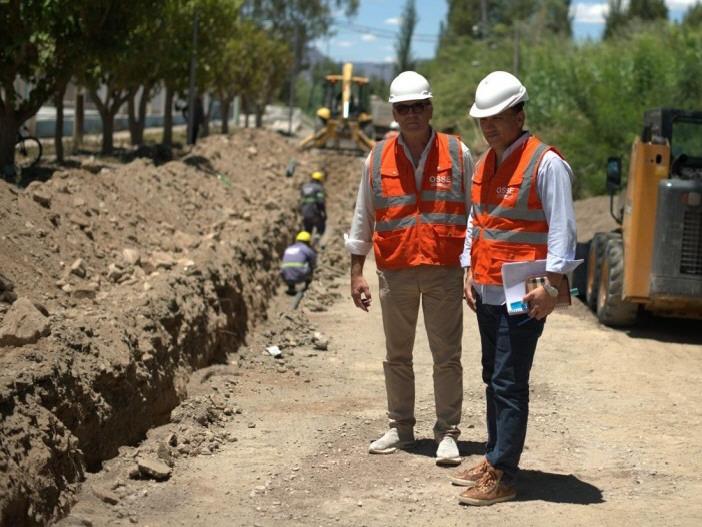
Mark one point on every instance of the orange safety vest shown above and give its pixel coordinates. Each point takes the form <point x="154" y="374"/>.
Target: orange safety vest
<point x="509" y="224"/>
<point x="418" y="228"/>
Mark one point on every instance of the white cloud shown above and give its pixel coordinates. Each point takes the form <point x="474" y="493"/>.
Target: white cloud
<point x="344" y="43"/>
<point x="682" y="5"/>
<point x="586" y="13"/>
<point x="388" y="59"/>
<point x="589" y="13"/>
<point x="394" y="21"/>
<point x="368" y="37"/>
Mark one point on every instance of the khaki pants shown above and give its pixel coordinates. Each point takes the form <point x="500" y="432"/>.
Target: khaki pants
<point x="440" y="289"/>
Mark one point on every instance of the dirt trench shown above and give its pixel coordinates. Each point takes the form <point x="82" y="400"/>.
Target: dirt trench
<point x="137" y="275"/>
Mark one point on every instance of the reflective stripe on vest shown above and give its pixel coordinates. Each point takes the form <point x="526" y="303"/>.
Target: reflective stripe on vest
<point x="295" y="264"/>
<point x="418" y="225"/>
<point x="454" y="195"/>
<point x="520" y="211"/>
<point x="509" y="223"/>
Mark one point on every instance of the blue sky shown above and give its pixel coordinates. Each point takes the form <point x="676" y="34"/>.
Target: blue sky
<point x="370" y="36"/>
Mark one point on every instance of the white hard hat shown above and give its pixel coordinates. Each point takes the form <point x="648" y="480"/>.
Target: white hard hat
<point x="409" y="86"/>
<point x="497" y="92"/>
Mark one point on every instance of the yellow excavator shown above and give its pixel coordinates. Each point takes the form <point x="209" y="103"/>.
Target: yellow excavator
<point x="343" y="115"/>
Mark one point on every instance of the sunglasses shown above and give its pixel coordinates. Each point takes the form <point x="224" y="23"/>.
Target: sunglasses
<point x="404" y="109"/>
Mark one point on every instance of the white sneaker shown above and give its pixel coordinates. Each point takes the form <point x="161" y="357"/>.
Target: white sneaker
<point x="389" y="443"/>
<point x="447" y="453"/>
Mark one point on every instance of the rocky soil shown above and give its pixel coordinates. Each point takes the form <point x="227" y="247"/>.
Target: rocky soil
<point x="116" y="283"/>
<point x="138" y="305"/>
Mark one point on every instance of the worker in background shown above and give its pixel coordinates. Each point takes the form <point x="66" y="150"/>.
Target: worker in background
<point x="393" y="132"/>
<point x="299" y="261"/>
<point x="411" y="207"/>
<point x="522" y="211"/>
<point x="312" y="204"/>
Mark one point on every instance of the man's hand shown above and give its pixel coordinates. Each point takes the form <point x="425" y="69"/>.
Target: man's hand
<point x="468" y="293"/>
<point x="360" y="292"/>
<point x="540" y="303"/>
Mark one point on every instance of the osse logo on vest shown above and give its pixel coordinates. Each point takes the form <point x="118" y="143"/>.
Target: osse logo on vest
<point x="504" y="191"/>
<point x="440" y="181"/>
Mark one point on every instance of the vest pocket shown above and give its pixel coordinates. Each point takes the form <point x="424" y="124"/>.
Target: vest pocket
<point x="391" y="247"/>
<point x="450" y="240"/>
<point x="489" y="257"/>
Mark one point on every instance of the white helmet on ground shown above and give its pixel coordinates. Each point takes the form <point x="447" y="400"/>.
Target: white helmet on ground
<point x="497" y="92"/>
<point x="409" y="86"/>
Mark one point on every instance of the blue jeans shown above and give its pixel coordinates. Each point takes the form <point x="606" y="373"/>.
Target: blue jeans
<point x="508" y="346"/>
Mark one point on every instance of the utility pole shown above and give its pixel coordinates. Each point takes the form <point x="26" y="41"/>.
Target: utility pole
<point x="192" y="88"/>
<point x="517" y="50"/>
<point x="293" y="75"/>
<point x="484" y="18"/>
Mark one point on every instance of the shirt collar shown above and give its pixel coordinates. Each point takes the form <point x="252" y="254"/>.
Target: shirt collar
<point x="511" y="148"/>
<point x="424" y="152"/>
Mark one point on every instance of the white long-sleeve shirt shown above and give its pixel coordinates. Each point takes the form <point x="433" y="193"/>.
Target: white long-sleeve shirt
<point x="554" y="188"/>
<point x="360" y="239"/>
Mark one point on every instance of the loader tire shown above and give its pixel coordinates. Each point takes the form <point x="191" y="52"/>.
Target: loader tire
<point x="595" y="256"/>
<point x="612" y="310"/>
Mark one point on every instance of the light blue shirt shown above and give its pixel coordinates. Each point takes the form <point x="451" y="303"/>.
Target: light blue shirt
<point x="554" y="188"/>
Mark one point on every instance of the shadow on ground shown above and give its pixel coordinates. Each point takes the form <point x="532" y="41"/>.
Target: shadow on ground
<point x="427" y="447"/>
<point x="556" y="488"/>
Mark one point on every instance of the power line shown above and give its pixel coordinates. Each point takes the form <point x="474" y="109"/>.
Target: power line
<point x="381" y="32"/>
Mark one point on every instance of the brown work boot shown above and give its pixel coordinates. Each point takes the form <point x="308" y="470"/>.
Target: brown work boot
<point x="488" y="490"/>
<point x="470" y="476"/>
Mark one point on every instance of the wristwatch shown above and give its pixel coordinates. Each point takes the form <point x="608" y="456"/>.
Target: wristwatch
<point x="551" y="290"/>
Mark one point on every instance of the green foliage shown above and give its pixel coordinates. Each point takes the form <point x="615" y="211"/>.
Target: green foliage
<point x="403" y="46"/>
<point x="465" y="17"/>
<point x="693" y="16"/>
<point x="636" y="12"/>
<point x="588" y="100"/>
<point x="648" y="9"/>
<point x="39" y="42"/>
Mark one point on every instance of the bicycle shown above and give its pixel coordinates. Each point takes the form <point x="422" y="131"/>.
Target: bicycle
<point x="28" y="149"/>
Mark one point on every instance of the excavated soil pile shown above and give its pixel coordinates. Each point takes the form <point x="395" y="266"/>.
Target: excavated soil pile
<point x="115" y="285"/>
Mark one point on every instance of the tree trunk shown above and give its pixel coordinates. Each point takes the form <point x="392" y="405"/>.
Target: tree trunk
<point x="247" y="110"/>
<point x="108" y="128"/>
<point x="58" y="124"/>
<point x="132" y="119"/>
<point x="143" y="102"/>
<point x="137" y="113"/>
<point x="259" y="115"/>
<point x="225" y="105"/>
<point x="9" y="126"/>
<point x="78" y="121"/>
<point x="206" y="118"/>
<point x="168" y="118"/>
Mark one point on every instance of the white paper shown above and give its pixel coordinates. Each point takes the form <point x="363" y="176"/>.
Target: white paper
<point x="274" y="351"/>
<point x="514" y="277"/>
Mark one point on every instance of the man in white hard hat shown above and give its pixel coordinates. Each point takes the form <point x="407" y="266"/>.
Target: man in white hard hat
<point x="522" y="211"/>
<point x="411" y="208"/>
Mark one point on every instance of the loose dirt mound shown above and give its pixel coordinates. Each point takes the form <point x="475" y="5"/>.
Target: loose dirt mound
<point x="591" y="216"/>
<point x="128" y="278"/>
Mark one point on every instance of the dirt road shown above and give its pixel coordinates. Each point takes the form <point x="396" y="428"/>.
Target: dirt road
<point x="613" y="436"/>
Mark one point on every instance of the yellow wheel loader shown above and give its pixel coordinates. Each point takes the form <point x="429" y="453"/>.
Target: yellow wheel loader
<point x="654" y="261"/>
<point x="343" y="115"/>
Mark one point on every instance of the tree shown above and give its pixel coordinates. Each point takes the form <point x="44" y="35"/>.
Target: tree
<point x="40" y="42"/>
<point x="403" y="46"/>
<point x="112" y="57"/>
<point x="648" y="10"/>
<point x="615" y="19"/>
<point x="693" y="16"/>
